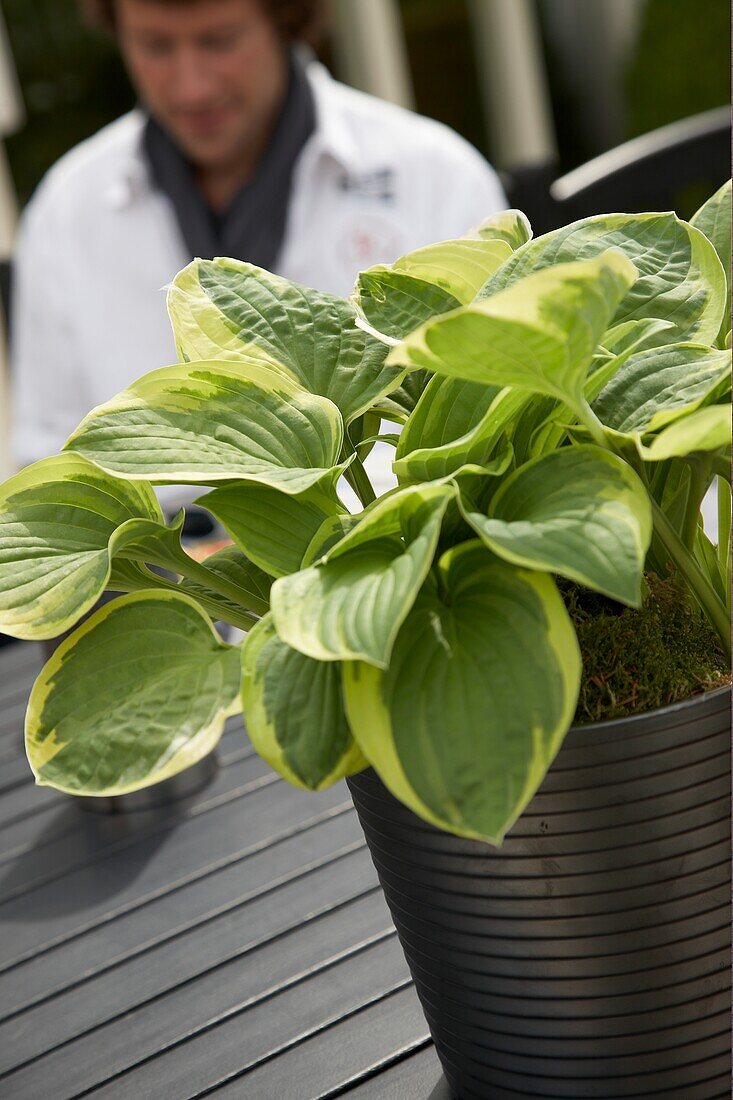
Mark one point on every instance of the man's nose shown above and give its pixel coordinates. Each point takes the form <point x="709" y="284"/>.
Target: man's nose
<point x="192" y="81"/>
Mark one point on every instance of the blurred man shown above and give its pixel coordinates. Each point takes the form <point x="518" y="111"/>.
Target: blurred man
<point x="239" y="148"/>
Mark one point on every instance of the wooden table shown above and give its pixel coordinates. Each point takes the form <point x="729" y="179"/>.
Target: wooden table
<point x="235" y="943"/>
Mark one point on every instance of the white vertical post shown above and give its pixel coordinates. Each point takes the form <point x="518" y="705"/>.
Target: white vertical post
<point x="8" y="206"/>
<point x="369" y="43"/>
<point x="514" y="83"/>
<point x="12" y="115"/>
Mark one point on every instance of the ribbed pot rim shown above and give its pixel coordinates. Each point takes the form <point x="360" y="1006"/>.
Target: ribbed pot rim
<point x="632" y="724"/>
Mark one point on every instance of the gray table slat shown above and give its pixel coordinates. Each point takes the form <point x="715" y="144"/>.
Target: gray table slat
<point x="352" y="1048"/>
<point x="32" y="834"/>
<point x="103" y="835"/>
<point x="234" y="990"/>
<point x="14" y="773"/>
<point x="100" y="890"/>
<point x="23" y="802"/>
<point x="143" y="927"/>
<point x="220" y="943"/>
<point x="417" y="1077"/>
<point x="12" y="718"/>
<point x="20" y="662"/>
<point x="236" y="943"/>
<point x="260" y="1031"/>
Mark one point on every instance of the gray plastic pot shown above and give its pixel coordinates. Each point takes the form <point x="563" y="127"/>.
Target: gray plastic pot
<point x="588" y="956"/>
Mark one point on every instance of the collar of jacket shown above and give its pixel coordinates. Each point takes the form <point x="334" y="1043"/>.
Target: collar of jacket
<point x="333" y="137"/>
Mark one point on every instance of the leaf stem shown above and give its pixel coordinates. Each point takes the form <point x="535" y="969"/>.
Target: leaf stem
<point x="357" y="476"/>
<point x="214" y="609"/>
<point x="169" y="556"/>
<point x="724" y="532"/>
<point x="696" y="580"/>
<point x="589" y="419"/>
<point x="658" y="481"/>
<point x="695" y="493"/>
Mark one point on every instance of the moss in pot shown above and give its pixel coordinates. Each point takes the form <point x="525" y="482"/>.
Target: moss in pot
<point x="565" y="406"/>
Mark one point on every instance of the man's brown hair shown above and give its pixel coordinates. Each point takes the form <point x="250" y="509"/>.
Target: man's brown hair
<point x="301" y="20"/>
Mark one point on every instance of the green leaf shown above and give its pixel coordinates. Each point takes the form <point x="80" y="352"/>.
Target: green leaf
<point x="459" y="266"/>
<point x="231" y="565"/>
<point x="132" y="576"/>
<point x="706" y="554"/>
<point x="331" y="532"/>
<point x="390" y="304"/>
<point x="655" y="387"/>
<point x="619" y="344"/>
<point x="447" y="410"/>
<point x="399" y="405"/>
<point x="273" y="528"/>
<point x="351" y="605"/>
<point x="227" y="309"/>
<point x="139" y="692"/>
<point x="511" y="226"/>
<point x="713" y="219"/>
<point x="209" y="422"/>
<point x="241" y="610"/>
<point x="705" y="429"/>
<point x="539" y="335"/>
<point x="392" y="438"/>
<point x="580" y="512"/>
<point x="61" y="521"/>
<point x="477" y="451"/>
<point x="481" y="687"/>
<point x="294" y="711"/>
<point x="623" y="340"/>
<point x="680" y="276"/>
<point x="393" y="299"/>
<point x="454" y="425"/>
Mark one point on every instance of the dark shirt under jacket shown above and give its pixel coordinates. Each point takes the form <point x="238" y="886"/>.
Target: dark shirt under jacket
<point x="253" y="226"/>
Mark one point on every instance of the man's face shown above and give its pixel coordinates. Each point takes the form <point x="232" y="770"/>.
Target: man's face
<point x="212" y="72"/>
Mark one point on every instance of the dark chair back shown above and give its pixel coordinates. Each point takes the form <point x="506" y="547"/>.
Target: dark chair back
<point x="674" y="168"/>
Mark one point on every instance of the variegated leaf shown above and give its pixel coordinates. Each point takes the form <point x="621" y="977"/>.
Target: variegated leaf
<point x="210" y="422"/>
<point x="294" y="710"/>
<point x="480" y="690"/>
<point x="226" y="309"/>
<point x="139" y="692"/>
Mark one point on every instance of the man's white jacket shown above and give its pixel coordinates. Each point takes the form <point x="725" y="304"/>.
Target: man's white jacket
<point x="98" y="245"/>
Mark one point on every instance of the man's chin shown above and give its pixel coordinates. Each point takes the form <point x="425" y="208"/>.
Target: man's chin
<point x="205" y="150"/>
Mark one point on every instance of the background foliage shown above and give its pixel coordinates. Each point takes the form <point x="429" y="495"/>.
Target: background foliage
<point x="681" y="64"/>
<point x="72" y="83"/>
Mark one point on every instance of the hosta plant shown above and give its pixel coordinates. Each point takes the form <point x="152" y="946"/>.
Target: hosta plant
<point x="559" y="407"/>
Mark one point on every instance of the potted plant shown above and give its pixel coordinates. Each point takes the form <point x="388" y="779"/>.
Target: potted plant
<point x="564" y="404"/>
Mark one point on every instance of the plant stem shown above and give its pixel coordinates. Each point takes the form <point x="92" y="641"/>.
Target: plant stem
<point x="696" y="580"/>
<point x="213" y="608"/>
<point x="357" y="476"/>
<point x="724" y="532"/>
<point x="696" y="491"/>
<point x="588" y="418"/>
<point x="168" y="556"/>
<point x="196" y="571"/>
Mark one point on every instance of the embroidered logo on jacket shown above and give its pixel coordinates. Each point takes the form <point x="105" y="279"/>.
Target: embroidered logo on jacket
<point x="377" y="184"/>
